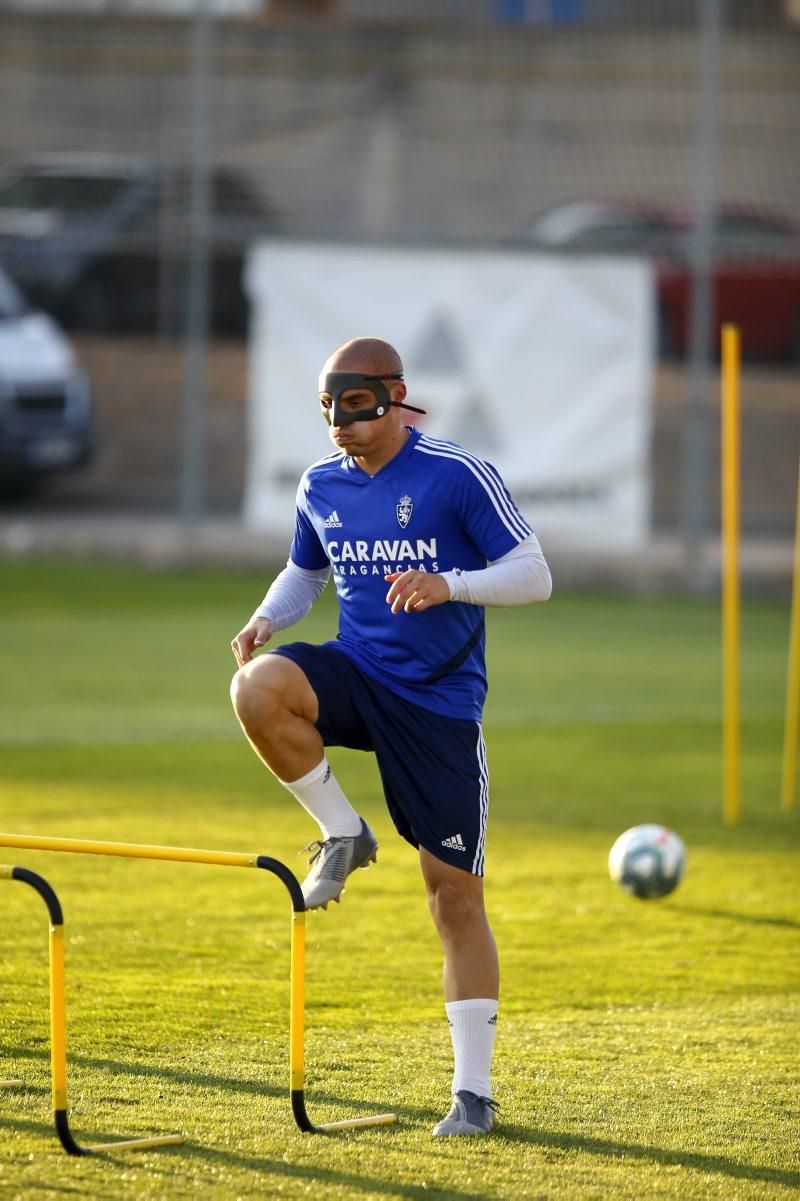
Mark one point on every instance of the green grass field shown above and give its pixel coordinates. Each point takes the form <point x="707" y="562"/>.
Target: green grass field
<point x="645" y="1049"/>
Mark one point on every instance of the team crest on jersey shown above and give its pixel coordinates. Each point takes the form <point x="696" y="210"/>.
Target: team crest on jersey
<point x="404" y="509"/>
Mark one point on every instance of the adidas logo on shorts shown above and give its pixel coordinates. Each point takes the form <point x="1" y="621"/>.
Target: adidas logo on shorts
<point x="332" y="521"/>
<point x="456" y="843"/>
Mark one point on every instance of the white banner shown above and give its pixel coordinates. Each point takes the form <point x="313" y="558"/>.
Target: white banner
<point x="541" y="365"/>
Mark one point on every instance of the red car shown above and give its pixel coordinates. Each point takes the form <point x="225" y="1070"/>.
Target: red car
<point x="756" y="266"/>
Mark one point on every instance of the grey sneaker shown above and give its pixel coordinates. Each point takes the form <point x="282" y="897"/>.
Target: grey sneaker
<point x="469" y="1114"/>
<point x="332" y="863"/>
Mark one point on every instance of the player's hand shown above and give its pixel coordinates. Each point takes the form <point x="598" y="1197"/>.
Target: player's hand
<point x="256" y="633"/>
<point x="416" y="591"/>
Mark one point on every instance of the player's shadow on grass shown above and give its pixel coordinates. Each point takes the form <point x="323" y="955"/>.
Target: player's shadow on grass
<point x="564" y="1141"/>
<point x="355" y="1182"/>
<point x="753" y="919"/>
<point x="550" y="1139"/>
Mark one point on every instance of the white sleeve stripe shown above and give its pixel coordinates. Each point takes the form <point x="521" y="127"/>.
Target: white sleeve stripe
<point x="510" y="516"/>
<point x="512" y="529"/>
<point x="484" y="470"/>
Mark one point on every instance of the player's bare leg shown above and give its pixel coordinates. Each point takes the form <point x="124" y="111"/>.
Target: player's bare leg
<point x="471" y="989"/>
<point x="277" y="708"/>
<point x="455" y="898"/>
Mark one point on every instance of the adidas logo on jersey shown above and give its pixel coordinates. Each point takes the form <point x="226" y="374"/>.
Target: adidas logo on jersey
<point x="332" y="521"/>
<point x="456" y="843"/>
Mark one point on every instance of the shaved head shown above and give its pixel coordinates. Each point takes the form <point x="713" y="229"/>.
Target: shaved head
<point x="367" y="356"/>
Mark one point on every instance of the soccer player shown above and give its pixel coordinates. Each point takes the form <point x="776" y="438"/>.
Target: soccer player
<point x="419" y="535"/>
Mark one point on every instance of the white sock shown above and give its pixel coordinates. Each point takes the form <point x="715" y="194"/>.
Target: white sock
<point x="472" y="1028"/>
<point x="320" y="795"/>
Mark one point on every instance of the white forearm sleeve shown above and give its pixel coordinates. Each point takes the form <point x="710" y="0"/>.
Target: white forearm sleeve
<point x="291" y="595"/>
<point x="518" y="578"/>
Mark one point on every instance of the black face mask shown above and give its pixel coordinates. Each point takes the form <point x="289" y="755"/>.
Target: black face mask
<point x="332" y="385"/>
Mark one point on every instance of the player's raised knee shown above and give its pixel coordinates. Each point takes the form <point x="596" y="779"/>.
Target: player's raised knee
<point x="268" y="687"/>
<point x="257" y="689"/>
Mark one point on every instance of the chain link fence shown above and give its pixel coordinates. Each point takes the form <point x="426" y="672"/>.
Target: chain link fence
<point x="528" y="125"/>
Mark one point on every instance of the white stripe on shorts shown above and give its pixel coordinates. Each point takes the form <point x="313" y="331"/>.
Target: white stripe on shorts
<point x="478" y="861"/>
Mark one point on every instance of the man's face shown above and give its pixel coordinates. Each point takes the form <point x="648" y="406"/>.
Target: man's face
<point x="364" y="437"/>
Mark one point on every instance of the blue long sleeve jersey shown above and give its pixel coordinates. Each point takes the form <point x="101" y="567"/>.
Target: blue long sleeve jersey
<point x="433" y="507"/>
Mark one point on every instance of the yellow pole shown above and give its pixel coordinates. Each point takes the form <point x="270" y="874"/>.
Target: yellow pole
<point x="297" y="1001"/>
<point x="792" y="722"/>
<point x="730" y="572"/>
<point x="58" y="1019"/>
<point x="297" y="1006"/>
<point x="128" y="850"/>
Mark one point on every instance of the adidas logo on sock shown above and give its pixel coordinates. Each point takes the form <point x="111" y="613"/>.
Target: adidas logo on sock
<point x="456" y="843"/>
<point x="332" y="521"/>
<point x="492" y="1021"/>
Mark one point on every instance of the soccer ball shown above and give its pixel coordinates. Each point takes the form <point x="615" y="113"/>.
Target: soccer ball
<point x="647" y="861"/>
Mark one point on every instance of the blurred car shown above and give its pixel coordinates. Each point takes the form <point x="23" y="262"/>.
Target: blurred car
<point x="100" y="241"/>
<point x="756" y="266"/>
<point x="45" y="400"/>
<point x="603" y="227"/>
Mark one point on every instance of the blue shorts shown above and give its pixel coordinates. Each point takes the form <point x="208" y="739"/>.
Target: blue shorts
<point x="433" y="768"/>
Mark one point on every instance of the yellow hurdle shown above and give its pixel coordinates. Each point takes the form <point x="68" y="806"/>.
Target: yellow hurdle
<point x="129" y="850"/>
<point x="57" y="974"/>
<point x="730" y="573"/>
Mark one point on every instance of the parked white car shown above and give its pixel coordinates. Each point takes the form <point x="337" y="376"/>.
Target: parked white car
<point x="45" y="399"/>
